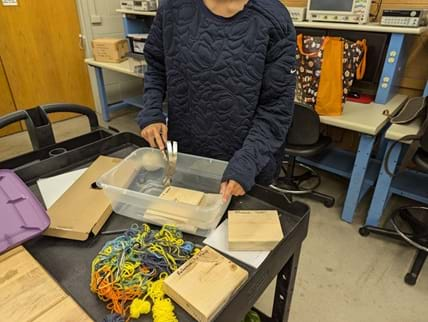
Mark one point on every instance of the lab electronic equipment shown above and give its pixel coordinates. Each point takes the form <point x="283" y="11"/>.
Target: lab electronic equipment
<point x="404" y="18"/>
<point x="145" y="5"/>
<point x="350" y="11"/>
<point x="127" y="4"/>
<point x="297" y="13"/>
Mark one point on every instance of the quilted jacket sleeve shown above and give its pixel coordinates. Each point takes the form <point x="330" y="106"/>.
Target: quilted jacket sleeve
<point x="154" y="77"/>
<point x="274" y="112"/>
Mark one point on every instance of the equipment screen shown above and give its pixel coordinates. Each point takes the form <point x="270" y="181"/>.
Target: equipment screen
<point x="332" y="5"/>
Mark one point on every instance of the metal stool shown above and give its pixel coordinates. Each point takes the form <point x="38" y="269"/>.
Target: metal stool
<point x="303" y="140"/>
<point x="418" y="236"/>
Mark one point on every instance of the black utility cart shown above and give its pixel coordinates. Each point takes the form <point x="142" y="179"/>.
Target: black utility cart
<point x="69" y="262"/>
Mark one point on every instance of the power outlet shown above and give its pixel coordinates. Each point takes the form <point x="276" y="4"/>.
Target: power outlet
<point x="96" y="19"/>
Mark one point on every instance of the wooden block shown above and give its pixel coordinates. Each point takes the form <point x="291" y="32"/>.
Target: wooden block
<point x="205" y="283"/>
<point x="160" y="220"/>
<point x="153" y="214"/>
<point x="254" y="230"/>
<point x="191" y="197"/>
<point x="28" y="292"/>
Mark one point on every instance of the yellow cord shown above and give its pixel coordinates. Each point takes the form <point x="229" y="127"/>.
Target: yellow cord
<point x="120" y="277"/>
<point x="139" y="307"/>
<point x="163" y="309"/>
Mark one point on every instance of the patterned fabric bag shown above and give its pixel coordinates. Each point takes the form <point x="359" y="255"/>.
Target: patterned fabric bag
<point x="326" y="69"/>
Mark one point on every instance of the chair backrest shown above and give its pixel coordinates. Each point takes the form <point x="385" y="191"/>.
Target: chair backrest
<point x="424" y="141"/>
<point x="305" y="128"/>
<point x="424" y="128"/>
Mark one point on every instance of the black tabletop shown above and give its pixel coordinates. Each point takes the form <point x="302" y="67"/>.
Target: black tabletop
<point x="69" y="261"/>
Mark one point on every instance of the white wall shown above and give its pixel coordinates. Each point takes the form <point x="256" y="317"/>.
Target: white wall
<point x="118" y="86"/>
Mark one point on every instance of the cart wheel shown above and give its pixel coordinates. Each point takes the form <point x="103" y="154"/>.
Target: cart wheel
<point x="329" y="203"/>
<point x="410" y="279"/>
<point x="364" y="231"/>
<point x="252" y="316"/>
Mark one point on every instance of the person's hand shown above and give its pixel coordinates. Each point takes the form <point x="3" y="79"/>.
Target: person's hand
<point x="156" y="134"/>
<point x="231" y="188"/>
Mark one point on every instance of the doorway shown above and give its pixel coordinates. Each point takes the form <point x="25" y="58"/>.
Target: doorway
<point x="42" y="57"/>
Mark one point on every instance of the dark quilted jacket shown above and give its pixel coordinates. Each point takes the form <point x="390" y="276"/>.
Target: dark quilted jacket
<point x="229" y="81"/>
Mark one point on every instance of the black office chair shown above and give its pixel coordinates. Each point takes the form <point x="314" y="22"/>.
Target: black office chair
<point x="304" y="140"/>
<point x="410" y="223"/>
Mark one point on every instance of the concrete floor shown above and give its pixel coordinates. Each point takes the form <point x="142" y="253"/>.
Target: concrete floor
<point x="342" y="276"/>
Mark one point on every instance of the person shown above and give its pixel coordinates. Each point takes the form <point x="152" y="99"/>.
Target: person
<point x="227" y="69"/>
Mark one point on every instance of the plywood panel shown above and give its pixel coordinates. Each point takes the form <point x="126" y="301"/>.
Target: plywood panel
<point x="7" y="105"/>
<point x="39" y="44"/>
<point x="28" y="293"/>
<point x="26" y="290"/>
<point x="65" y="311"/>
<point x="416" y="69"/>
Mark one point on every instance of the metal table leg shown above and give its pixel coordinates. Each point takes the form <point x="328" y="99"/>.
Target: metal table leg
<point x="284" y="289"/>
<point x="357" y="178"/>
<point x="383" y="185"/>
<point x="382" y="144"/>
<point x="392" y="68"/>
<point x="106" y="108"/>
<point x="102" y="93"/>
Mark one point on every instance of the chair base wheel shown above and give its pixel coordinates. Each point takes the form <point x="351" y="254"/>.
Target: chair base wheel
<point x="364" y="231"/>
<point x="410" y="279"/>
<point x="292" y="184"/>
<point x="302" y="183"/>
<point x="329" y="203"/>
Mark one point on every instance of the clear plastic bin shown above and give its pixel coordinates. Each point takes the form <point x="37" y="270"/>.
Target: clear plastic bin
<point x="135" y="184"/>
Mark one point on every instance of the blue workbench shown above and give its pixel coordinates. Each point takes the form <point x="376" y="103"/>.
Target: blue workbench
<point x="410" y="184"/>
<point x="134" y="22"/>
<point x="122" y="68"/>
<point x="363" y="168"/>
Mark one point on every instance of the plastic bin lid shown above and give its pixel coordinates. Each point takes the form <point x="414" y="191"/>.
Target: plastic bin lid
<point x="22" y="217"/>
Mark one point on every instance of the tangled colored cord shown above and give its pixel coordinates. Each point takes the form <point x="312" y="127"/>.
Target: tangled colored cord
<point x="132" y="267"/>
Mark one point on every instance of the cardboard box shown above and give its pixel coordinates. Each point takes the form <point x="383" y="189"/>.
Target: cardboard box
<point x="82" y="210"/>
<point x="110" y="50"/>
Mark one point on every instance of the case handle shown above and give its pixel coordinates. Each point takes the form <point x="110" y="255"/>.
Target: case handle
<point x="73" y="108"/>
